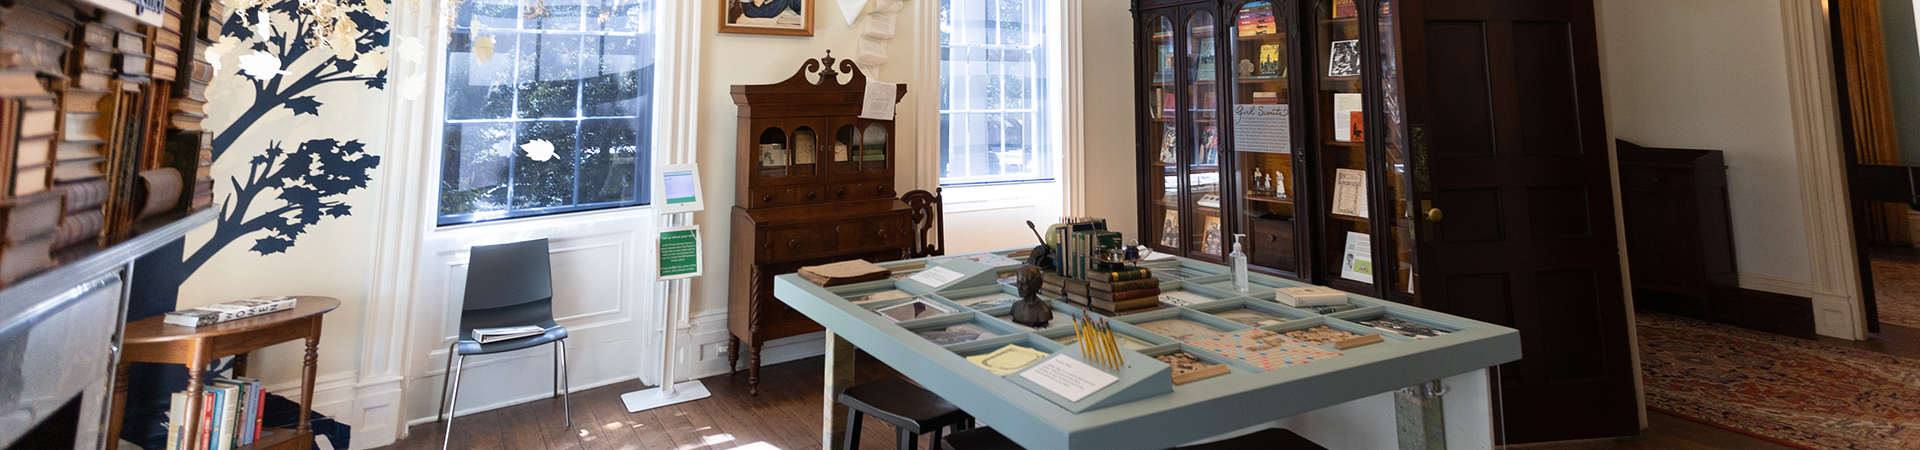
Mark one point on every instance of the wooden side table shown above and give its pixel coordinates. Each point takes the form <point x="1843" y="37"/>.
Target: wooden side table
<point x="151" y="340"/>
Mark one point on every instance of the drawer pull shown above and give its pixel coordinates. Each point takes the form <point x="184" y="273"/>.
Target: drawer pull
<point x="766" y="198"/>
<point x="883" y="233"/>
<point x="792" y="244"/>
<point x="809" y="195"/>
<point x="880" y="189"/>
<point x="1656" y="179"/>
<point x="841" y="193"/>
<point x="1272" y="238"/>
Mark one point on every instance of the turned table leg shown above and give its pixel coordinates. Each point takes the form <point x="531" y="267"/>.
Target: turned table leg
<point x="753" y="370"/>
<point x="733" y="355"/>
<point x="839" y="377"/>
<point x="119" y="411"/>
<point x="308" y="372"/>
<point x="240" y="365"/>
<point x="196" y="374"/>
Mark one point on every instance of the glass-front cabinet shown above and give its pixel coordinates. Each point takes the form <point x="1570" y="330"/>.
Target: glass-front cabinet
<point x="1279" y="120"/>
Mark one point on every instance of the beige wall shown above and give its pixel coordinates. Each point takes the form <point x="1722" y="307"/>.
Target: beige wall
<point x="1112" y="181"/>
<point x="753" y="59"/>
<point x="1712" y="74"/>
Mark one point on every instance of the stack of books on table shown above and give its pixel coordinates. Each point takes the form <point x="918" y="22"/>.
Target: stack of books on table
<point x="234" y="310"/>
<point x="1122" y="292"/>
<point x="1053" y="285"/>
<point x="230" y="416"/>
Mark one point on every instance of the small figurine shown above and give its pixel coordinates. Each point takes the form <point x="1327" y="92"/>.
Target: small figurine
<point x="1246" y="68"/>
<point x="1030" y="310"/>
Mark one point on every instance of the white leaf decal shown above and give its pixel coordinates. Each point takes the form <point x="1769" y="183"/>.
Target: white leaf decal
<point x="411" y="49"/>
<point x="413" y="86"/>
<point x="213" y="59"/>
<point x="483" y="49"/>
<point x="851" y="9"/>
<point x="263" y="24"/>
<point x="538" y="150"/>
<point x="261" y="65"/>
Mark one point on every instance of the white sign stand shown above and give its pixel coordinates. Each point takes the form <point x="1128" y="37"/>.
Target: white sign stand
<point x="669" y="392"/>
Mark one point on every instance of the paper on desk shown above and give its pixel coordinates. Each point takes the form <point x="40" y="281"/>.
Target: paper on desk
<point x="879" y="100"/>
<point x="1069" y="378"/>
<point x="937" y="277"/>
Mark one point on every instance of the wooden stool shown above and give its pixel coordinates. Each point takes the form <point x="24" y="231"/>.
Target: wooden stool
<point x="1268" y="439"/>
<point x="980" y="439"/>
<point x="912" y="411"/>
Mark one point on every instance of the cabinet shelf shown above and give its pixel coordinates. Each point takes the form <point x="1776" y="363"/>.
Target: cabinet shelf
<point x="1263" y="37"/>
<point x="1283" y="201"/>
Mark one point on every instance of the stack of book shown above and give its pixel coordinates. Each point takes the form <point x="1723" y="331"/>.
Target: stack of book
<point x="189" y="148"/>
<point x="1054" y="285"/>
<point x="230" y="416"/>
<point x="234" y="310"/>
<point x="35" y="39"/>
<point x="1122" y="292"/>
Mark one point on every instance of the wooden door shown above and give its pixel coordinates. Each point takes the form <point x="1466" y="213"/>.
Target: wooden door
<point x="1507" y="96"/>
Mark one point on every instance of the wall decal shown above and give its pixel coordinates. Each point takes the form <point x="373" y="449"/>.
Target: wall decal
<point x="284" y="191"/>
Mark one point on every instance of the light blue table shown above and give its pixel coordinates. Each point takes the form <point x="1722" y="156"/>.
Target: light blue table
<point x="1337" y="387"/>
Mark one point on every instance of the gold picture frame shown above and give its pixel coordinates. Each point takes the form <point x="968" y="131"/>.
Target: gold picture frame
<point x="768" y="17"/>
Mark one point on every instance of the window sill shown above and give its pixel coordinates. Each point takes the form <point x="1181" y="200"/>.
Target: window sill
<point x="986" y="197"/>
<point x="546" y="221"/>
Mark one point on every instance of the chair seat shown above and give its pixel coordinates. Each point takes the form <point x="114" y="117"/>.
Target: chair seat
<point x="1268" y="439"/>
<point x="902" y="404"/>
<point x="472" y="347"/>
<point x="980" y="439"/>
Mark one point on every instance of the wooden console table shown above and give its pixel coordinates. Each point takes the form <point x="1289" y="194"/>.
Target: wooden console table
<point x="151" y="340"/>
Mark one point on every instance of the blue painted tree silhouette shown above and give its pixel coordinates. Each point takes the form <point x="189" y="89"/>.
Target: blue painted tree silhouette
<point x="285" y="192"/>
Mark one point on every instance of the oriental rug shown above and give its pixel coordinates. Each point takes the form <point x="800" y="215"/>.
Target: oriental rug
<point x="1896" y="285"/>
<point x="1785" y="389"/>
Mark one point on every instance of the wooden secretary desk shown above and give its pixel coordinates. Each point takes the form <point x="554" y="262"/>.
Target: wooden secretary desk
<point x="814" y="186"/>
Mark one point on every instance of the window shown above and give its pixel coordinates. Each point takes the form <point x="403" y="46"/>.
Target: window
<point x="993" y="86"/>
<point x="556" y="118"/>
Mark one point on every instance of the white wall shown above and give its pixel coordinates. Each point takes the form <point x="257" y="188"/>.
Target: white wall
<point x="1712" y="74"/>
<point x="1110" y="175"/>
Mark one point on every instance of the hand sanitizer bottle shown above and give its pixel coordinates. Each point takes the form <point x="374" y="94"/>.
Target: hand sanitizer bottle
<point x="1239" y="261"/>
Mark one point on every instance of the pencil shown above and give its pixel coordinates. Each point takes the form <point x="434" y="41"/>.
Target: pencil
<point x="1114" y="347"/>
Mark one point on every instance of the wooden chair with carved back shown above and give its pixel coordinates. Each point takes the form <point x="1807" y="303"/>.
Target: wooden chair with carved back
<point x="929" y="232"/>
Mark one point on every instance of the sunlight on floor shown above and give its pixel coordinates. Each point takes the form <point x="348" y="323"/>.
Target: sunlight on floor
<point x="722" y="437"/>
<point x="757" y="446"/>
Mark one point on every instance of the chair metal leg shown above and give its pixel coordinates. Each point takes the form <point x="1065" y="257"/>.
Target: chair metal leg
<point x="908" y="440"/>
<point x="453" y="401"/>
<point x="446" y="376"/>
<point x="566" y="405"/>
<point x="853" y="430"/>
<point x="556" y="368"/>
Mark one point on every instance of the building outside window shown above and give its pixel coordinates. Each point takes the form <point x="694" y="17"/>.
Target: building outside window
<point x="993" y="91"/>
<point x="548" y="108"/>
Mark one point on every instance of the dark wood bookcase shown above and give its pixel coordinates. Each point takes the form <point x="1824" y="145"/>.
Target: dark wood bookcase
<point x="1359" y="121"/>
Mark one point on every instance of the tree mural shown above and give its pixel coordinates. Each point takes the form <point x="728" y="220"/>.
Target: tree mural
<point x="286" y="191"/>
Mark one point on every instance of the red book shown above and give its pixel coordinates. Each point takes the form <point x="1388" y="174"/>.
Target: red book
<point x="206" y="419"/>
<point x="1357" y="120"/>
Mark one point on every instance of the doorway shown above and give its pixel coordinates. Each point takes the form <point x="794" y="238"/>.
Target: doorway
<point x="1877" y="65"/>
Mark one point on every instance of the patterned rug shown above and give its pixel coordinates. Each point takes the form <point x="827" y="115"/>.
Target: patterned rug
<point x="1896" y="285"/>
<point x="1785" y="389"/>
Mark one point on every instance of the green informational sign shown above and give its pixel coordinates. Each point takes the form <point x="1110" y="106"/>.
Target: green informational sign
<point x="680" y="252"/>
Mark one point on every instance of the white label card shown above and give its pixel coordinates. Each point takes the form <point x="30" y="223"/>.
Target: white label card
<point x="1069" y="378"/>
<point x="937" y="277"/>
<point x="879" y="100"/>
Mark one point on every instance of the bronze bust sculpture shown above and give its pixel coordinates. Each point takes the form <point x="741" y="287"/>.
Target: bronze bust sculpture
<point x="1031" y="310"/>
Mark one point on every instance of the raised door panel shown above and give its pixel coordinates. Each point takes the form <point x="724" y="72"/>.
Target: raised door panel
<point x="1516" y="159"/>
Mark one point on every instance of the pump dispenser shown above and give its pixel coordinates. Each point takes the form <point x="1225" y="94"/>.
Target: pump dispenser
<point x="1239" y="261"/>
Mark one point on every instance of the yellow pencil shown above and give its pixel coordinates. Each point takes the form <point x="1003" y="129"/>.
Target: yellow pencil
<point x="1113" y="346"/>
<point x="1104" y="349"/>
<point x="1080" y="335"/>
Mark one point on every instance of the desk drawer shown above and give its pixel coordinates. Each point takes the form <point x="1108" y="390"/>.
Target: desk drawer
<point x="874" y="232"/>
<point x="799" y="242"/>
<point x="1272" y="243"/>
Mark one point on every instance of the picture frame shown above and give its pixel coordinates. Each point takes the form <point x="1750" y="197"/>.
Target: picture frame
<point x="1344" y="59"/>
<point x="767" y="17"/>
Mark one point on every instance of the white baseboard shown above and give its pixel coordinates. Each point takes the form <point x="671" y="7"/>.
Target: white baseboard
<point x="1777" y="285"/>
<point x="708" y="340"/>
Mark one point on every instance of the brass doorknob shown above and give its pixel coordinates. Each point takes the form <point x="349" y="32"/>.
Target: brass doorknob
<point x="1434" y="215"/>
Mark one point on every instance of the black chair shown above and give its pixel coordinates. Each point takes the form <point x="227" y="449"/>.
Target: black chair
<point x="912" y="411"/>
<point x="508" y="285"/>
<point x="1268" y="439"/>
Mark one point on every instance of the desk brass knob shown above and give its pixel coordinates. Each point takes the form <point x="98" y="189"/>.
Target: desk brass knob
<point x="1434" y="215"/>
<point x="766" y="198"/>
<point x="792" y="244"/>
<point x="1272" y="238"/>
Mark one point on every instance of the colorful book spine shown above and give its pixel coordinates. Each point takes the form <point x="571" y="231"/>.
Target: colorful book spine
<point x="1123" y="275"/>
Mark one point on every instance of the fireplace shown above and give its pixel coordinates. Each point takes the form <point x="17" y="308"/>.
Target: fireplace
<point x="56" y="359"/>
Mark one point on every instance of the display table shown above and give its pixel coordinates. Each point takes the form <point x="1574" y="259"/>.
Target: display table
<point x="1166" y="416"/>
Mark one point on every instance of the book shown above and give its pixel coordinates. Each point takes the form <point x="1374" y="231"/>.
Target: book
<point x="1344" y="105"/>
<point x="79" y="170"/>
<point x="26" y="257"/>
<point x="79" y="227"/>
<point x="1357" y="123"/>
<point x="240" y="424"/>
<point x="31" y="179"/>
<point x="35" y="152"/>
<point x="29" y="216"/>
<point x="238" y="309"/>
<point x="1124" y="285"/>
<point x="42" y="54"/>
<point x="1114" y="276"/>
<point x="176" y="420"/>
<point x="1126" y="305"/>
<point x="1256" y="20"/>
<point x="1310" y="296"/>
<point x="491" y="335"/>
<point x="20" y="83"/>
<point x="1170" y="229"/>
<point x="225" y="412"/>
<point x="1344" y="8"/>
<point x="1269" y="63"/>
<point x="1265" y="98"/>
<point x="163" y="187"/>
<point x="1211" y="242"/>
<point x="38" y="122"/>
<point x="844" y="272"/>
<point x="206" y="420"/>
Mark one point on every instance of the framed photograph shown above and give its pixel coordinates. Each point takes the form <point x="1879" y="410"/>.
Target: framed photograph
<point x="1210" y="240"/>
<point x="774" y="17"/>
<point x="1345" y="59"/>
<point x="1170" y="231"/>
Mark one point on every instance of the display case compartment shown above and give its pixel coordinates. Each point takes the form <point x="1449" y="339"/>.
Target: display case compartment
<point x="1354" y="303"/>
<point x="1062" y="318"/>
<point x="1237" y="368"/>
<point x="1142" y="339"/>
<point x="986" y="346"/>
<point x="1255" y="285"/>
<point x="1341" y="325"/>
<point x="1181" y="294"/>
<point x="955" y="308"/>
<point x="1278" y="310"/>
<point x="1152" y="322"/>
<point x="965" y="297"/>
<point x="1427" y="320"/>
<point x="1000" y="330"/>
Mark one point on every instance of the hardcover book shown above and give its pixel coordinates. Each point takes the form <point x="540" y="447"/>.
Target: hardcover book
<point x="1344" y="8"/>
<point x="1256" y="19"/>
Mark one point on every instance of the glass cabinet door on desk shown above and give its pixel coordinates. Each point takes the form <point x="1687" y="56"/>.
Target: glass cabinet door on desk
<point x="1206" y="231"/>
<point x="1345" y="246"/>
<point x="1261" y="56"/>
<point x="1161" y="134"/>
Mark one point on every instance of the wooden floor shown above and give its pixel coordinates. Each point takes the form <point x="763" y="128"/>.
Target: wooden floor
<point x="786" y="416"/>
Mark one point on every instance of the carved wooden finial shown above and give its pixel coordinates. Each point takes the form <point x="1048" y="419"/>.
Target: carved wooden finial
<point x="828" y="63"/>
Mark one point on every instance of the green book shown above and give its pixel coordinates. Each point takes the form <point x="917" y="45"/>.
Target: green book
<point x="1121" y="275"/>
